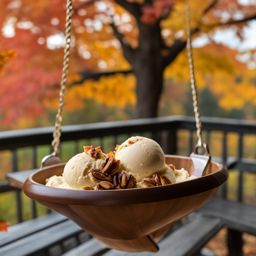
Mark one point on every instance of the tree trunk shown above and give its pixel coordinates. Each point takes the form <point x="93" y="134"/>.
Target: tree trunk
<point x="148" y="69"/>
<point x="149" y="87"/>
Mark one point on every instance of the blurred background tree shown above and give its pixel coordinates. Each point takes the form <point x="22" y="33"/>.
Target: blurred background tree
<point x="144" y="36"/>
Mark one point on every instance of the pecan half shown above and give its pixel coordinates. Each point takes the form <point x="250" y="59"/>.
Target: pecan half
<point x="149" y="182"/>
<point x="131" y="182"/>
<point x="98" y="175"/>
<point x="123" y="180"/>
<point x="157" y="179"/>
<point x="111" y="166"/>
<point x="164" y="180"/>
<point x="105" y="185"/>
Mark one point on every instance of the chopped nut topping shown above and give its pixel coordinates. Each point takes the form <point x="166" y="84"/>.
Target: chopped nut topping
<point x="157" y="179"/>
<point x="106" y="185"/>
<point x="111" y="166"/>
<point x="124" y="180"/>
<point x="94" y="152"/>
<point x="149" y="182"/>
<point x="164" y="180"/>
<point x="111" y="154"/>
<point x="131" y="182"/>
<point x="98" y="175"/>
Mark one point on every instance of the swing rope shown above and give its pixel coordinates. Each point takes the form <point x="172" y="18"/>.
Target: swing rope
<point x="200" y="146"/>
<point x="66" y="60"/>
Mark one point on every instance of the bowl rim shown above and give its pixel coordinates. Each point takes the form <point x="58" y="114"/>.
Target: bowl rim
<point x="41" y="192"/>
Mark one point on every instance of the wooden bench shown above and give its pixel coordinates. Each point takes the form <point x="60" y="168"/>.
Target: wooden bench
<point x="37" y="236"/>
<point x="238" y="217"/>
<point x="181" y="242"/>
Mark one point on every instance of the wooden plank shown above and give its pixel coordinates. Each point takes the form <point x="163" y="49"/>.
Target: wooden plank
<point x="41" y="240"/>
<point x="17" y="179"/>
<point x="89" y="248"/>
<point x="29" y="227"/>
<point x="5" y="187"/>
<point x="235" y="215"/>
<point x="184" y="241"/>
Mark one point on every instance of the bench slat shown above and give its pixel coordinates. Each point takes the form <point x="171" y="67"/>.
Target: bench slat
<point x="29" y="227"/>
<point x="89" y="248"/>
<point x="41" y="240"/>
<point x="17" y="179"/>
<point x="235" y="215"/>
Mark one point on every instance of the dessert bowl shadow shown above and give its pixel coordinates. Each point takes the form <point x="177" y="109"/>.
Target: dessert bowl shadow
<point x="129" y="219"/>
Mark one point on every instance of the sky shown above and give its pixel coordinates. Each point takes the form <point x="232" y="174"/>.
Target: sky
<point x="228" y="37"/>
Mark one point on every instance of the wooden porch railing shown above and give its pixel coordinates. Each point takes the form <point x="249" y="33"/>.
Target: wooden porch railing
<point x="232" y="142"/>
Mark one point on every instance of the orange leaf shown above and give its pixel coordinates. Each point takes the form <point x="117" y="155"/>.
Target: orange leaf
<point x="3" y="226"/>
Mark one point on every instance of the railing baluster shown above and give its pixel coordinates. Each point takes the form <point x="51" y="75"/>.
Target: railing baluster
<point x="77" y="147"/>
<point x="114" y="141"/>
<point x="224" y="162"/>
<point x="191" y="141"/>
<point x="240" y="171"/>
<point x="102" y="142"/>
<point x="18" y="194"/>
<point x="34" y="166"/>
<point x="172" y="141"/>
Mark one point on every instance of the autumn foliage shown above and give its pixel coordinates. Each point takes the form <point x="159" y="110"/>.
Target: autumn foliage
<point x="3" y="226"/>
<point x="107" y="35"/>
<point x="4" y="57"/>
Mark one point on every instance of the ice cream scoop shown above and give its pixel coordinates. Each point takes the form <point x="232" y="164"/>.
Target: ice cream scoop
<point x="181" y="175"/>
<point x="141" y="157"/>
<point x="77" y="170"/>
<point x="57" y="182"/>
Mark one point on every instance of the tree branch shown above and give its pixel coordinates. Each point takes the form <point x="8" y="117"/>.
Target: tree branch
<point x="173" y="51"/>
<point x="132" y="8"/>
<point x="128" y="51"/>
<point x="210" y="6"/>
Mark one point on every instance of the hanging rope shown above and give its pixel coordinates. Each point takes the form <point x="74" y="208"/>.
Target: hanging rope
<point x="58" y="121"/>
<point x="193" y="80"/>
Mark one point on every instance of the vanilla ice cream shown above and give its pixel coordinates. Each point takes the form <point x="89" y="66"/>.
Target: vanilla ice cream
<point x="170" y="175"/>
<point x="77" y="170"/>
<point x="57" y="182"/>
<point x="141" y="157"/>
<point x="182" y="175"/>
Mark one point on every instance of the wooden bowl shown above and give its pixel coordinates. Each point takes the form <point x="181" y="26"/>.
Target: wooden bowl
<point x="130" y="219"/>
